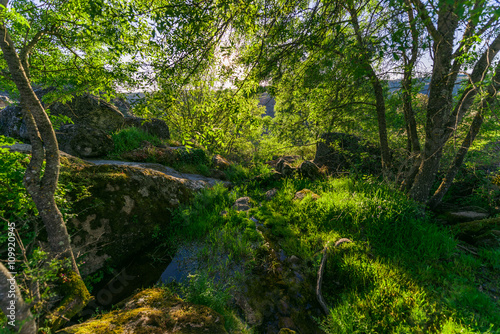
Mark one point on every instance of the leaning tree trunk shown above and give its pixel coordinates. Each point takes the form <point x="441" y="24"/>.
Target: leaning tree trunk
<point x="42" y="188"/>
<point x="42" y="136"/>
<point x="18" y="313"/>
<point x="489" y="101"/>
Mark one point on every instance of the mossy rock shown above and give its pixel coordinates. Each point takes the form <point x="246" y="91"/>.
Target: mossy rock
<point x="123" y="208"/>
<point x="484" y="232"/>
<point x="75" y="297"/>
<point x="153" y="311"/>
<point x="286" y="331"/>
<point x="300" y="195"/>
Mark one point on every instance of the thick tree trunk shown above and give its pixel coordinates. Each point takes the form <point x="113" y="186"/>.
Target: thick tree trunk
<point x="439" y="107"/>
<point x="18" y="313"/>
<point x="489" y="101"/>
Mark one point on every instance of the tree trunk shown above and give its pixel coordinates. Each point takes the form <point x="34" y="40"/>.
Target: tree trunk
<point x="439" y="107"/>
<point x="18" y="313"/>
<point x="42" y="135"/>
<point x="377" y="91"/>
<point x="489" y="101"/>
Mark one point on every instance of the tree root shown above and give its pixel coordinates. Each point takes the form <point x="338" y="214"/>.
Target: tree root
<point x="321" y="271"/>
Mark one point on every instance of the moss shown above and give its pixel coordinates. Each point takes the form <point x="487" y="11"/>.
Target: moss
<point x="153" y="311"/>
<point x="485" y="232"/>
<point x="286" y="331"/>
<point x="76" y="296"/>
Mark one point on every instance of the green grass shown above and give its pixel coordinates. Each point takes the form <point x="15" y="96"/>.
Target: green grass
<point x="129" y="139"/>
<point x="401" y="274"/>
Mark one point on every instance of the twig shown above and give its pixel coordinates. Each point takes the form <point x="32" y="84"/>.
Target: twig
<point x="321" y="271"/>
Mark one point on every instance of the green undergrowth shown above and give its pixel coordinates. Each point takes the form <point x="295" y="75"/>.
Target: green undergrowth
<point x="130" y="139"/>
<point x="402" y="273"/>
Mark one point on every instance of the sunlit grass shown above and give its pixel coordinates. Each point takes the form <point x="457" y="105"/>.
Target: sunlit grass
<point x="402" y="273"/>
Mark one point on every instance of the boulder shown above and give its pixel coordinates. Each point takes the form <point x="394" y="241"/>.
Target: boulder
<point x="155" y="127"/>
<point x="464" y="216"/>
<point x="120" y="210"/>
<point x="83" y="141"/>
<point x="242" y="204"/>
<point x="153" y="311"/>
<point x="12" y="124"/>
<point x="90" y="110"/>
<point x="284" y="168"/>
<point x="271" y="193"/>
<point x="309" y="170"/>
<point x="485" y="232"/>
<point x="341" y="152"/>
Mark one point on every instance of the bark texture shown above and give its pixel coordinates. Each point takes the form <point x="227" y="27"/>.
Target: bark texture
<point x="487" y="102"/>
<point x="440" y="103"/>
<point x="44" y="147"/>
<point x="377" y="91"/>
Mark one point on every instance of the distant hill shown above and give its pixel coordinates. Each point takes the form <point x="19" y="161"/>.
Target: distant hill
<point x="395" y="85"/>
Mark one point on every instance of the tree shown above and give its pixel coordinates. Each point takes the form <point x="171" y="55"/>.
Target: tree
<point x="442" y="21"/>
<point x="41" y="183"/>
<point x="302" y="31"/>
<point x="63" y="44"/>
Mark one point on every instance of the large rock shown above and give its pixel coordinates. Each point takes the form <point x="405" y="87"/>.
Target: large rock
<point x="284" y="168"/>
<point x="88" y="113"/>
<point x="12" y="124"/>
<point x="120" y="210"/>
<point x="84" y="141"/>
<point x="90" y="110"/>
<point x="485" y="232"/>
<point x="153" y="311"/>
<point x="341" y="152"/>
<point x="309" y="169"/>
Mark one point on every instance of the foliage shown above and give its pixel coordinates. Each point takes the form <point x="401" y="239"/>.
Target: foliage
<point x="219" y="120"/>
<point x="129" y="139"/>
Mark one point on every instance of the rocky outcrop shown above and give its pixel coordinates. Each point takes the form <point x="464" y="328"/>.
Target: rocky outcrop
<point x="119" y="210"/>
<point x="153" y="311"/>
<point x="341" y="152"/>
<point x="94" y="119"/>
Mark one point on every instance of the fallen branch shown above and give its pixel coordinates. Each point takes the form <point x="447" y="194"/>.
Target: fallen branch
<point x="321" y="271"/>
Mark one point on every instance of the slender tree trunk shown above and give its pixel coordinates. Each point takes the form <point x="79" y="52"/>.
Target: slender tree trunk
<point x="42" y="135"/>
<point x="439" y="107"/>
<point x="489" y="101"/>
<point x="13" y="305"/>
<point x="377" y="91"/>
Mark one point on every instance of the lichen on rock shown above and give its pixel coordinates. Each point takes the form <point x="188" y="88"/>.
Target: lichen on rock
<point x="153" y="311"/>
